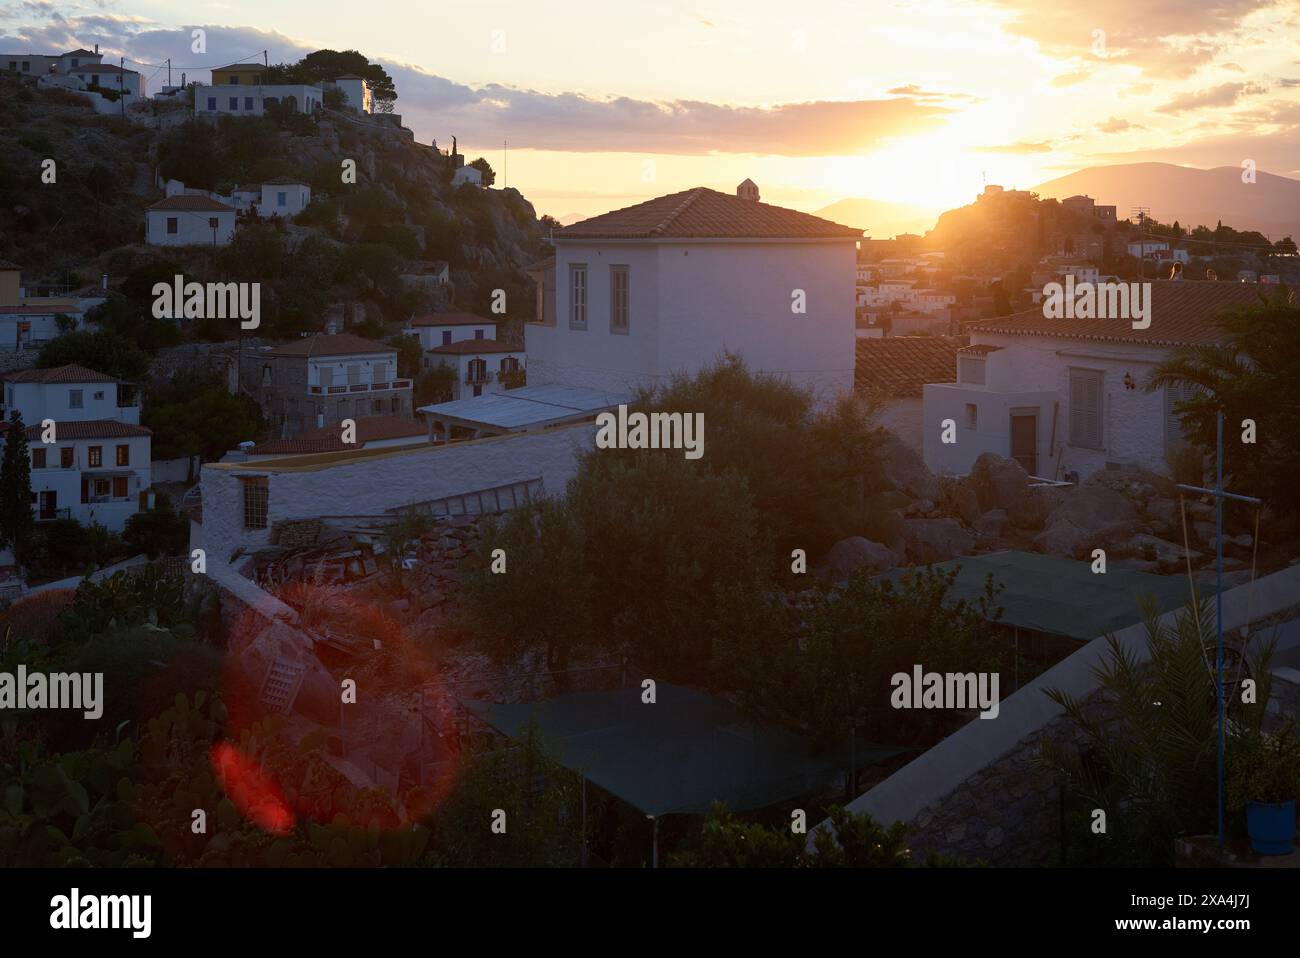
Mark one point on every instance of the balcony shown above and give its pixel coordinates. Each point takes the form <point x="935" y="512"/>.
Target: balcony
<point x="358" y="388"/>
<point x="477" y="379"/>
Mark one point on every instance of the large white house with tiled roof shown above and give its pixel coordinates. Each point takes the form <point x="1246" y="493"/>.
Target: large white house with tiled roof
<point x="668" y="285"/>
<point x="97" y="469"/>
<point x="1066" y="395"/>
<point x="188" y="220"/>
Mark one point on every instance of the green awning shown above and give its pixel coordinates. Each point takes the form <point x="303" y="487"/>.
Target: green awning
<point x="681" y="754"/>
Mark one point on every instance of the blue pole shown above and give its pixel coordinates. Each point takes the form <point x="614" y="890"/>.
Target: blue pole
<point x="1218" y="608"/>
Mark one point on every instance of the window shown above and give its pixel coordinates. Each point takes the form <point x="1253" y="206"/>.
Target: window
<point x="618" y="299"/>
<point x="478" y="334"/>
<point x="101" y="488"/>
<point x="281" y="198"/>
<point x="972" y="415"/>
<point x="124" y="455"/>
<point x="234" y="103"/>
<point x="65" y="457"/>
<point x="256" y="501"/>
<point x="578" y="295"/>
<point x="377" y="407"/>
<point x="99" y="394"/>
<point x="173" y="225"/>
<point x="38" y="458"/>
<point x="212" y="222"/>
<point x="478" y="390"/>
<point x="119" y="487"/>
<point x="477" y="371"/>
<point x="354" y="375"/>
<point x="212" y="103"/>
<point x="446" y="337"/>
<point x="970" y="370"/>
<point x="248" y="103"/>
<point x="397" y="404"/>
<point x="75" y="399"/>
<point x="380" y="373"/>
<point x="327" y="376"/>
<point x="95" y="457"/>
<point x="1085" y="408"/>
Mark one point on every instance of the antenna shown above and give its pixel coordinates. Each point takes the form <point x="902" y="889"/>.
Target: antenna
<point x="1142" y="212"/>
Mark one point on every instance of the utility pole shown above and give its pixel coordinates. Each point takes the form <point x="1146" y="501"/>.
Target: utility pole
<point x="169" y="71"/>
<point x="121" y="90"/>
<point x="505" y="163"/>
<point x="1219" y="495"/>
<point x="1142" y="212"/>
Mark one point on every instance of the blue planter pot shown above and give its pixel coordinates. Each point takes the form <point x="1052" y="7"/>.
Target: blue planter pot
<point x="1271" y="827"/>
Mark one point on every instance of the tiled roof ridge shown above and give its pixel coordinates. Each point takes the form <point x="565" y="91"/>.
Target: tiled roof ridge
<point x="691" y="196"/>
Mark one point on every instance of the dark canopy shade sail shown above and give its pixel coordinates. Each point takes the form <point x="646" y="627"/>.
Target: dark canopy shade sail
<point x="1061" y="596"/>
<point x="681" y="754"/>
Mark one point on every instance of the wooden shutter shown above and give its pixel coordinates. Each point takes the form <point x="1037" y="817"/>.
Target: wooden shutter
<point x="1085" y="407"/>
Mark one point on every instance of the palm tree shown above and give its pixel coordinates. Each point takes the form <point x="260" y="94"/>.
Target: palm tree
<point x="1148" y="742"/>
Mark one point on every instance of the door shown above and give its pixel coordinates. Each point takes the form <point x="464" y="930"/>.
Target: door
<point x="49" y="504"/>
<point x="1024" y="440"/>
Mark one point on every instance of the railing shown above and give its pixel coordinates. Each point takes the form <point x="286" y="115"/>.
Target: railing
<point x="477" y="379"/>
<point x="359" y="387"/>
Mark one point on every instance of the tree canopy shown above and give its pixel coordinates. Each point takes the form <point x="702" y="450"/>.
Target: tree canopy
<point x="332" y="64"/>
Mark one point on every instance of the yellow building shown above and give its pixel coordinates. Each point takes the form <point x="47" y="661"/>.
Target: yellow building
<point x="239" y="74"/>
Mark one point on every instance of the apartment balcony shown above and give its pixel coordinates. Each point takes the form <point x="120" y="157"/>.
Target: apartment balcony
<point x="477" y="379"/>
<point x="349" y="388"/>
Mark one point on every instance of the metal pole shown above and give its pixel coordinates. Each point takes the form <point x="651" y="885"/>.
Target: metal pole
<point x="654" y="841"/>
<point x="584" y="822"/>
<point x="1218" y="607"/>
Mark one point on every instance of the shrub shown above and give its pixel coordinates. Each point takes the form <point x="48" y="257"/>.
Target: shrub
<point x="35" y="618"/>
<point x="159" y="532"/>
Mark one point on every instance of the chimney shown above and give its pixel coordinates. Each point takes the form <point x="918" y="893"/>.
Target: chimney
<point x="96" y="48"/>
<point x="748" y="190"/>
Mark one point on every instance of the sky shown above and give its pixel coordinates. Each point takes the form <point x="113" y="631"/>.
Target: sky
<point x="604" y="104"/>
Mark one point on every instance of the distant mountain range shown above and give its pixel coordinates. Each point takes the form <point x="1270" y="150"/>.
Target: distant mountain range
<point x="1194" y="197"/>
<point x="881" y="220"/>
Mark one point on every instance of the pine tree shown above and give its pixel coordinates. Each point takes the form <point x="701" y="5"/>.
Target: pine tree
<point x="16" y="489"/>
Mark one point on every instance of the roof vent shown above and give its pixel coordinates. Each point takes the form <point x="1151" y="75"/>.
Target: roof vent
<point x="748" y="190"/>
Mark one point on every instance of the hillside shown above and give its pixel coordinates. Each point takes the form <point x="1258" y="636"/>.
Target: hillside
<point x="1194" y="197"/>
<point x="879" y="218"/>
<point x="347" y="248"/>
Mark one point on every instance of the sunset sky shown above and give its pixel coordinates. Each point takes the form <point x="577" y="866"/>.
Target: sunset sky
<point x="608" y="104"/>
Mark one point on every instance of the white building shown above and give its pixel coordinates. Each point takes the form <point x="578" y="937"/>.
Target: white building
<point x="98" y="467"/>
<point x="237" y="99"/>
<point x="356" y="92"/>
<point x="467" y="174"/>
<point x="107" y="76"/>
<point x="671" y="284"/>
<point x="41" y="64"/>
<point x="467" y="343"/>
<point x="283" y="196"/>
<point x="1026" y="379"/>
<point x="187" y="220"/>
<point x="1148" y="248"/>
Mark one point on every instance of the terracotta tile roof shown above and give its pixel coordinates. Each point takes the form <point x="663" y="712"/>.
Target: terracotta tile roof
<point x="195" y="204"/>
<point x="329" y="438"/>
<point x="81" y="52"/>
<point x="980" y="350"/>
<point x="91" y="429"/>
<point x="452" y="319"/>
<point x="335" y="344"/>
<point x="71" y="373"/>
<point x="99" y="68"/>
<point x="468" y="347"/>
<point x="897" y="367"/>
<point x="29" y="309"/>
<point x="284" y="181"/>
<point x="704" y="213"/>
<point x="1182" y="313"/>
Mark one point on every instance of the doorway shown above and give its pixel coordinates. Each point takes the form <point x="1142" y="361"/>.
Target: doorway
<point x="1024" y="439"/>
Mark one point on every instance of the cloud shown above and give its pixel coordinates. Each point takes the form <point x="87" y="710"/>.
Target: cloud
<point x="1018" y="148"/>
<point x="1162" y="38"/>
<point x="1116" y="125"/>
<point x="1071" y="79"/>
<point x="916" y="92"/>
<point x="1225" y="94"/>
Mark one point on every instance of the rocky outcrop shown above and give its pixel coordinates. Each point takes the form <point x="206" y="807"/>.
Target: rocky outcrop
<point x="935" y="540"/>
<point x="1088" y="517"/>
<point x="854" y="553"/>
<point x="902" y="469"/>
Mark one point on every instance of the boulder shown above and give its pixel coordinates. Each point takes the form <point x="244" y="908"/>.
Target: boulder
<point x="902" y="468"/>
<point x="999" y="483"/>
<point x="1168" y="555"/>
<point x="1065" y="538"/>
<point x="1164" y="515"/>
<point x="921" y="507"/>
<point x="888" y="501"/>
<point x="960" y="501"/>
<point x="1092" y="507"/>
<point x="848" y="555"/>
<point x="935" y="540"/>
<point x="1139" y="485"/>
<point x="992" y="524"/>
